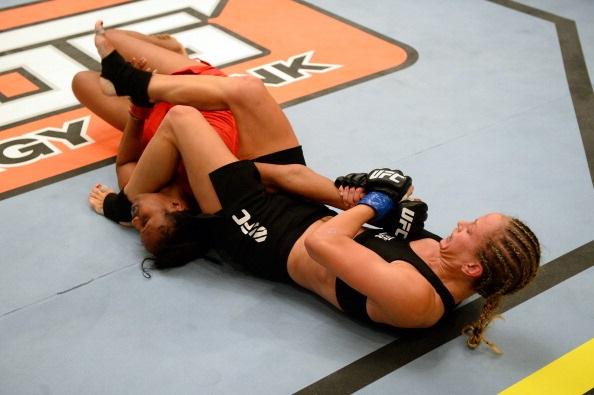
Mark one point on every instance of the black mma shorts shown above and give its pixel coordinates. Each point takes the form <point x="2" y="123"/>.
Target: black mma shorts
<point x="260" y="228"/>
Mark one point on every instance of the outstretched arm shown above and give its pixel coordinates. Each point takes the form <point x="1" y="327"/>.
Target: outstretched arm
<point x="301" y="180"/>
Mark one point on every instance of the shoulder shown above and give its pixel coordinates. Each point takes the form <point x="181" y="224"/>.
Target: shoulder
<point x="407" y="300"/>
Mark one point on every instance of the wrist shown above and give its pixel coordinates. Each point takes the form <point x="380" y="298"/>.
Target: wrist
<point x="117" y="207"/>
<point x="139" y="113"/>
<point x="381" y="204"/>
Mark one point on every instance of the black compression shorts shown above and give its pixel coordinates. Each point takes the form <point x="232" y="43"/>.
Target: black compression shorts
<point x="285" y="157"/>
<point x="260" y="228"/>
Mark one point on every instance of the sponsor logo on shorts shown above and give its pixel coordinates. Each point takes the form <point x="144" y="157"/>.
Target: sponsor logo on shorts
<point x="253" y="230"/>
<point x="44" y="44"/>
<point x="384" y="236"/>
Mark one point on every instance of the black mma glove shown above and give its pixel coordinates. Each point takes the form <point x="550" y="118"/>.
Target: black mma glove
<point x="407" y="221"/>
<point x="392" y="183"/>
<point x="354" y="180"/>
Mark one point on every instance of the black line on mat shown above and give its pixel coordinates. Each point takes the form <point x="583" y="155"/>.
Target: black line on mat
<point x="580" y="86"/>
<point x="56" y="178"/>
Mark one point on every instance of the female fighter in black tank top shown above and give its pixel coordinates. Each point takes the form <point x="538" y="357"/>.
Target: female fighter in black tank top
<point x="391" y="249"/>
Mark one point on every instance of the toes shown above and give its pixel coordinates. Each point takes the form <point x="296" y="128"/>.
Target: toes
<point x="99" y="27"/>
<point x="103" y="45"/>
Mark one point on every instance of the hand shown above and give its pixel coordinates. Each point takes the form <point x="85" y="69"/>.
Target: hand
<point x="351" y="188"/>
<point x="96" y="197"/>
<point x="139" y="113"/>
<point x="392" y="183"/>
<point x="408" y="219"/>
<point x="350" y="195"/>
<point x="142" y="64"/>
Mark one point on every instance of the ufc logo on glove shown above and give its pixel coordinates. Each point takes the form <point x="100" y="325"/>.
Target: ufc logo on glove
<point x="406" y="218"/>
<point x="387" y="174"/>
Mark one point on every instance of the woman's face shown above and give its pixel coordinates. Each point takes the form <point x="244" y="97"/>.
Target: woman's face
<point x="149" y="217"/>
<point x="469" y="237"/>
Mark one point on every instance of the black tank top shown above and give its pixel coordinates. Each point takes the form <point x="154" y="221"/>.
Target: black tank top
<point x="391" y="249"/>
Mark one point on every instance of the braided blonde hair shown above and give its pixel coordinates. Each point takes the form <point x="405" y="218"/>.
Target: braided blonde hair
<point x="510" y="261"/>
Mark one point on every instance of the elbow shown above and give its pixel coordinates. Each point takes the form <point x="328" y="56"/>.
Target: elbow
<point x="295" y="171"/>
<point x="319" y="243"/>
<point x="312" y="243"/>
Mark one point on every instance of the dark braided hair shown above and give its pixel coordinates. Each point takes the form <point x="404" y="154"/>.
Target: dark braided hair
<point x="510" y="261"/>
<point x="187" y="236"/>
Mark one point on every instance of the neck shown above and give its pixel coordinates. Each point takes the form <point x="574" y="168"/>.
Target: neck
<point x="459" y="285"/>
<point x="457" y="282"/>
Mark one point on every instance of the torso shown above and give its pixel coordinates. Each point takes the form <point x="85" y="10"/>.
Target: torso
<point x="308" y="273"/>
<point x="311" y="275"/>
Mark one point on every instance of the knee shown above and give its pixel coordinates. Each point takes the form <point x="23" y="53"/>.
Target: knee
<point x="246" y="89"/>
<point x="82" y="81"/>
<point x="181" y="122"/>
<point x="179" y="113"/>
<point x="178" y="116"/>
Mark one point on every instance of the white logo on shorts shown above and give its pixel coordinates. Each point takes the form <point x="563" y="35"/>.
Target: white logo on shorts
<point x="384" y="236"/>
<point x="254" y="230"/>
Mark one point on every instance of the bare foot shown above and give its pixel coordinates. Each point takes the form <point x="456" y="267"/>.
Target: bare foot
<point x="104" y="48"/>
<point x="97" y="196"/>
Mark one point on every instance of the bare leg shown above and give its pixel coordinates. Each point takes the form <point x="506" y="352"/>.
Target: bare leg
<point x="183" y="134"/>
<point x="135" y="45"/>
<point x="160" y="54"/>
<point x="112" y="109"/>
<point x="165" y="41"/>
<point x="263" y="126"/>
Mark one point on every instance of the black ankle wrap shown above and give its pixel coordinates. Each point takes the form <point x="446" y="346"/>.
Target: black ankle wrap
<point x="127" y="80"/>
<point x="117" y="207"/>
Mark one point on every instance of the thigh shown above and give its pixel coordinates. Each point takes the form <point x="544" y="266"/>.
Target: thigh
<point x="263" y="126"/>
<point x="202" y="151"/>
